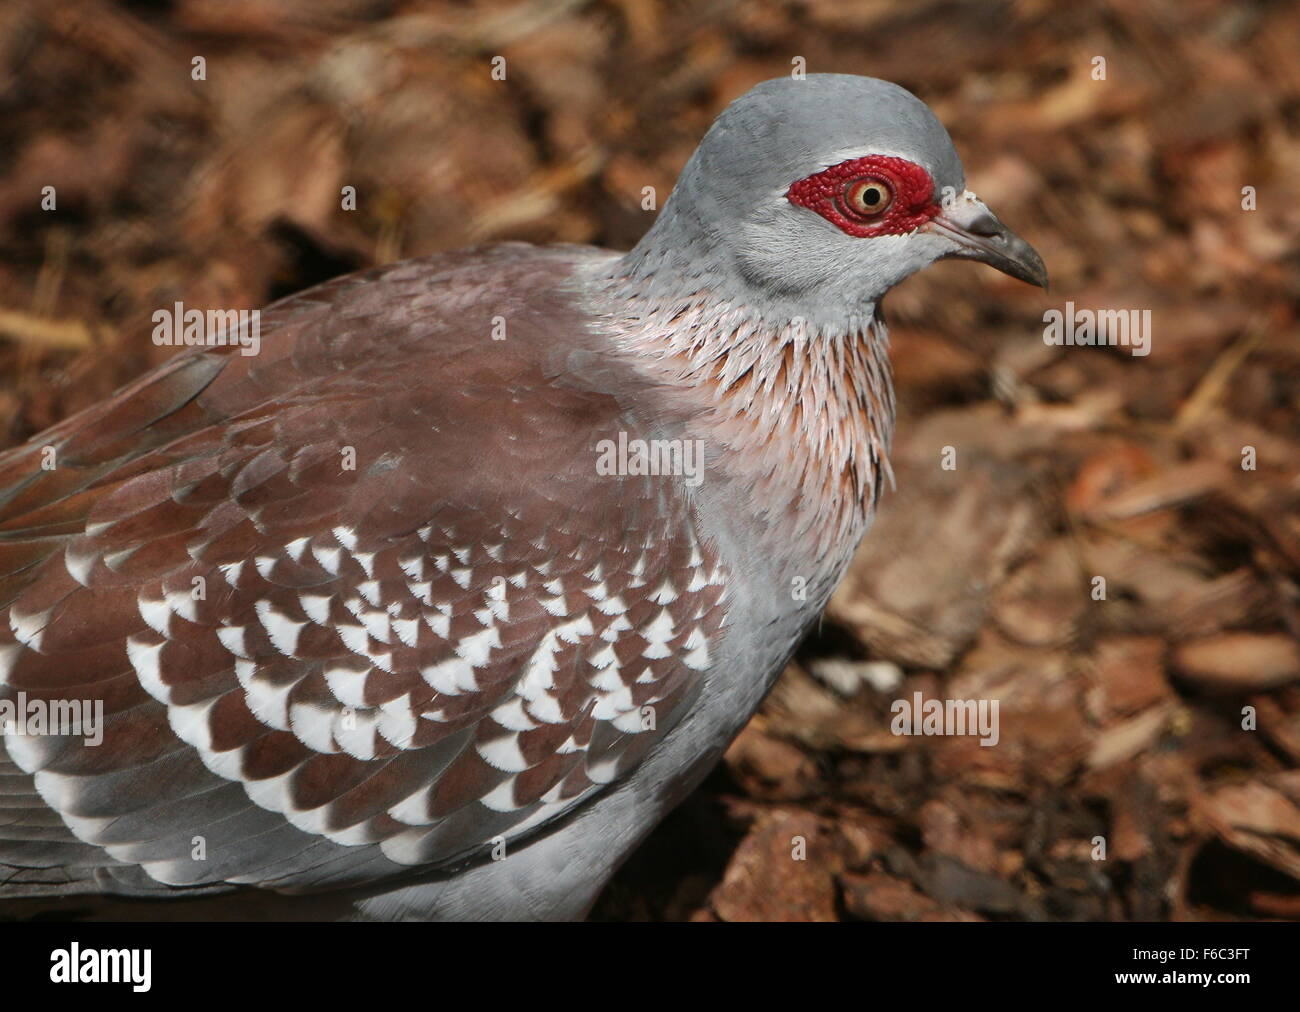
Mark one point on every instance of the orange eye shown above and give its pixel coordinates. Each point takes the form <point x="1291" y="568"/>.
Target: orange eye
<point x="868" y="197"/>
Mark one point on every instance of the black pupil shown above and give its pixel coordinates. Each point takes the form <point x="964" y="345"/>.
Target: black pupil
<point x="871" y="196"/>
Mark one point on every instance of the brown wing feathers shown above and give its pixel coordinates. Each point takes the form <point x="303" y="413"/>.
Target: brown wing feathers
<point x="327" y="674"/>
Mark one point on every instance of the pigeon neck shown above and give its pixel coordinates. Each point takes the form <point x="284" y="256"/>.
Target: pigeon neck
<point x="801" y="414"/>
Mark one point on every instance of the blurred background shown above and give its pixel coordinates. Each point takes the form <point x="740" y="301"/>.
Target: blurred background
<point x="1121" y="719"/>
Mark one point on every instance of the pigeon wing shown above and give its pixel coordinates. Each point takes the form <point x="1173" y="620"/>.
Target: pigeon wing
<point x="360" y="603"/>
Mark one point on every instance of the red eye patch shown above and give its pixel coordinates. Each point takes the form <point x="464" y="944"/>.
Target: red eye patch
<point x="834" y="193"/>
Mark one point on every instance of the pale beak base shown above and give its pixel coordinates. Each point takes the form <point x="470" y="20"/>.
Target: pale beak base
<point x="985" y="239"/>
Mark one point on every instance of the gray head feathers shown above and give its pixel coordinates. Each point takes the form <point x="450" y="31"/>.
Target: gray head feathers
<point x="729" y="227"/>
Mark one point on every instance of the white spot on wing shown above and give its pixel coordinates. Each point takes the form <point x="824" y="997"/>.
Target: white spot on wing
<point x="614" y="606"/>
<point x="282" y="630"/>
<point x="330" y="559"/>
<point x="448" y="675"/>
<point x="348" y="686"/>
<point x="29" y="629"/>
<point x="607" y="680"/>
<point x="79" y="565"/>
<point x="666" y="594"/>
<point x="477" y="648"/>
<point x="620" y="624"/>
<point x="397" y="722"/>
<point x="354" y="638"/>
<point x="268" y="702"/>
<point x="503" y="753"/>
<point x="156" y="614"/>
<point x="440" y="624"/>
<point x="501" y="798"/>
<point x="232" y="638"/>
<point x="407" y="630"/>
<point x="355" y="734"/>
<point x="313" y="725"/>
<point x="144" y="658"/>
<point x="604" y="658"/>
<point x="610" y="706"/>
<point x="184" y="604"/>
<point x="316" y="607"/>
<point x="698" y="646"/>
<point x="512" y="717"/>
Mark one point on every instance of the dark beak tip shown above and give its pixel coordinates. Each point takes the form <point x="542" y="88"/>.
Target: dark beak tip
<point x="1025" y="266"/>
<point x="988" y="241"/>
<point x="1036" y="267"/>
<point x="1020" y="260"/>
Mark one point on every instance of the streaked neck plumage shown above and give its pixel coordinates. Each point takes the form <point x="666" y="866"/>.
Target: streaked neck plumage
<point x="795" y="408"/>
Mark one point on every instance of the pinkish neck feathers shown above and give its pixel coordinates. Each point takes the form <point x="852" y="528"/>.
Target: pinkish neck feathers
<point x="801" y="416"/>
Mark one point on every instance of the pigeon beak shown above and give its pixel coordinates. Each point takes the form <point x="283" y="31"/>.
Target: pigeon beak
<point x="982" y="237"/>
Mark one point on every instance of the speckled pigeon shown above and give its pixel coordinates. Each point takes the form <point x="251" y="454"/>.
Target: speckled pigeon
<point x="465" y="677"/>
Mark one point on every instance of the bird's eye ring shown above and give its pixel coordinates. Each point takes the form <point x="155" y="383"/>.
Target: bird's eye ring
<point x="867" y="198"/>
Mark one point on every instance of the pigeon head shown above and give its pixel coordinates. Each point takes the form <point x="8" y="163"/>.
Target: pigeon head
<point x="814" y="197"/>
